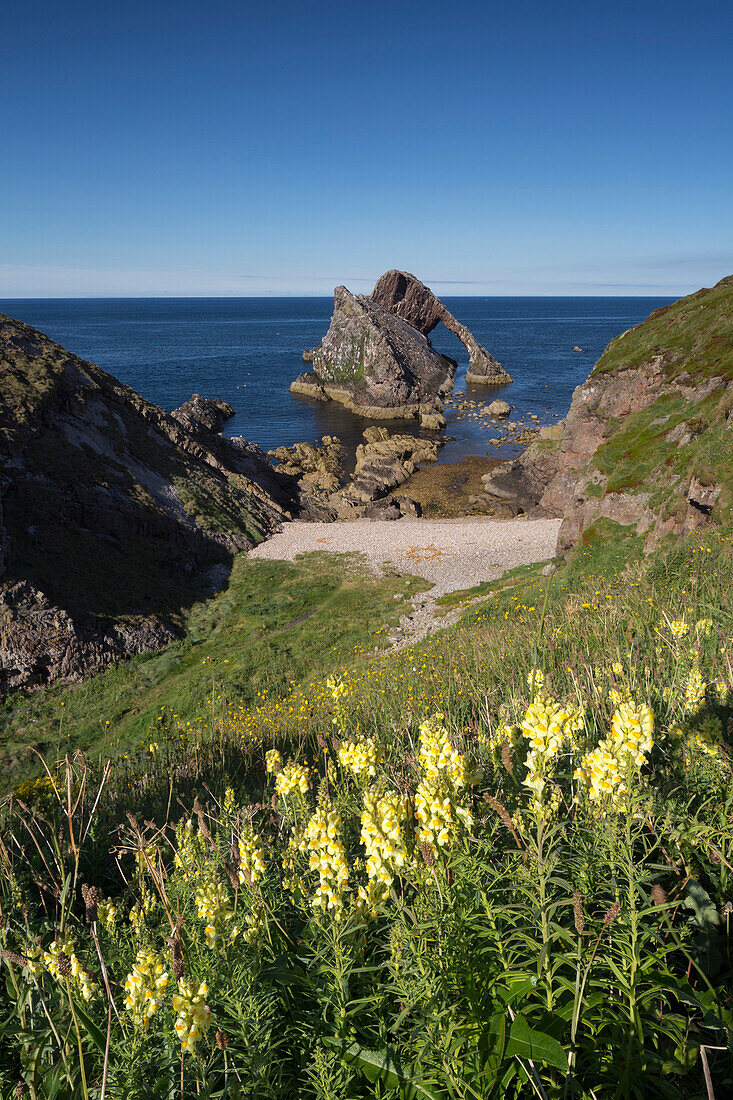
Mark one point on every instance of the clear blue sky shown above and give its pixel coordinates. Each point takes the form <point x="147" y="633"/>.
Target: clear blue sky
<point x="195" y="147"/>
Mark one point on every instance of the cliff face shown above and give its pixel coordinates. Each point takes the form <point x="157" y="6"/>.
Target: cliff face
<point x="114" y="515"/>
<point x="648" y="440"/>
<point x="375" y="363"/>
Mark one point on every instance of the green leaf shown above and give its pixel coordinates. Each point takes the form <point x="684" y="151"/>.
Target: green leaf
<point x="525" y="1042"/>
<point x="91" y="1028"/>
<point x="384" y="1066"/>
<point x="516" y="986"/>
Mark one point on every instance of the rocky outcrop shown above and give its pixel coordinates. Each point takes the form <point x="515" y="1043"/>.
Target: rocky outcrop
<point x="114" y="515"/>
<point x="383" y="462"/>
<point x="648" y="441"/>
<point x="404" y="295"/>
<point x="375" y="363"/>
<point x="315" y="466"/>
<point x="209" y="413"/>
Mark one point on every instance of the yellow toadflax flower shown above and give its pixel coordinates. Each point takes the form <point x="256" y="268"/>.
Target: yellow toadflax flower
<point x="327" y="855"/>
<point x="273" y="761"/>
<point x="212" y="900"/>
<point x="193" y="1015"/>
<point x="544" y="726"/>
<point x="535" y="681"/>
<point x="65" y="950"/>
<point x="603" y="772"/>
<point x="438" y="756"/>
<point x="251" y="857"/>
<point x="694" y="690"/>
<point x="632" y="728"/>
<point x="381" y="833"/>
<point x="360" y="757"/>
<point x="293" y="777"/>
<point x="145" y="986"/>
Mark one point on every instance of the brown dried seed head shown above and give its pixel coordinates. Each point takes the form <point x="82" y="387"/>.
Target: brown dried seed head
<point x="176" y="953"/>
<point x="612" y="913"/>
<point x="427" y="854"/>
<point x="13" y="957"/>
<point x="222" y="1039"/>
<point x="658" y="895"/>
<point x="178" y="968"/>
<point x="506" y="757"/>
<point x="91" y="900"/>
<point x="578" y="917"/>
<point x="232" y="873"/>
<point x="64" y="965"/>
<point x="203" y="826"/>
<point x="501" y="811"/>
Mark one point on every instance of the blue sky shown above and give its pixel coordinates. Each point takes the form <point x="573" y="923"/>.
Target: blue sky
<point x="491" y="148"/>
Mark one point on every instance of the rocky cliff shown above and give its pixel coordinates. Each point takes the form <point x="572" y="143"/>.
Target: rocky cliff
<point x="114" y="515"/>
<point x="404" y="295"/>
<point x="648" y="440"/>
<point x="375" y="363"/>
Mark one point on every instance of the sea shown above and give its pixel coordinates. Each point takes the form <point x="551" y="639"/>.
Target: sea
<point x="248" y="350"/>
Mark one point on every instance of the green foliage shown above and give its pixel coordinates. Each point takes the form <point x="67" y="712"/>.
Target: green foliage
<point x="275" y="624"/>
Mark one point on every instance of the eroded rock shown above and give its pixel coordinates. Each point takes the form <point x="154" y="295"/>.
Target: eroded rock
<point x="636" y="444"/>
<point x="210" y="413"/>
<point x="404" y="295"/>
<point x="375" y="363"/>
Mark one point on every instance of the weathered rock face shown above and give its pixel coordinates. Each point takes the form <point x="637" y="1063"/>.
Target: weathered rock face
<point x="114" y="515"/>
<point x="383" y="463"/>
<point x="375" y="363"/>
<point x="210" y="413"/>
<point x="648" y="441"/>
<point x="404" y="295"/>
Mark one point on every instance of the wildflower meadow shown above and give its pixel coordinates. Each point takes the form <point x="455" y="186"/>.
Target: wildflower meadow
<point x="498" y="864"/>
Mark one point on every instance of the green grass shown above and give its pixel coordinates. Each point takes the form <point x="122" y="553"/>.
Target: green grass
<point x="694" y="335"/>
<point x="276" y="623"/>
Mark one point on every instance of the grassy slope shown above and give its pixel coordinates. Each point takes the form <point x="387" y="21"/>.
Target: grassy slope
<point x="658" y="449"/>
<point x="276" y="623"/>
<point x="695" y="333"/>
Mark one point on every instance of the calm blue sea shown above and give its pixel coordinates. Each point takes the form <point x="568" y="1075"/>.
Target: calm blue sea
<point x="248" y="350"/>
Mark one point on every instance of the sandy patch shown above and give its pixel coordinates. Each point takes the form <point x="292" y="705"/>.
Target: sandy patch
<point x="450" y="553"/>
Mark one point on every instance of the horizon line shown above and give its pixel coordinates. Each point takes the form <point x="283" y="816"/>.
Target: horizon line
<point x="247" y="297"/>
